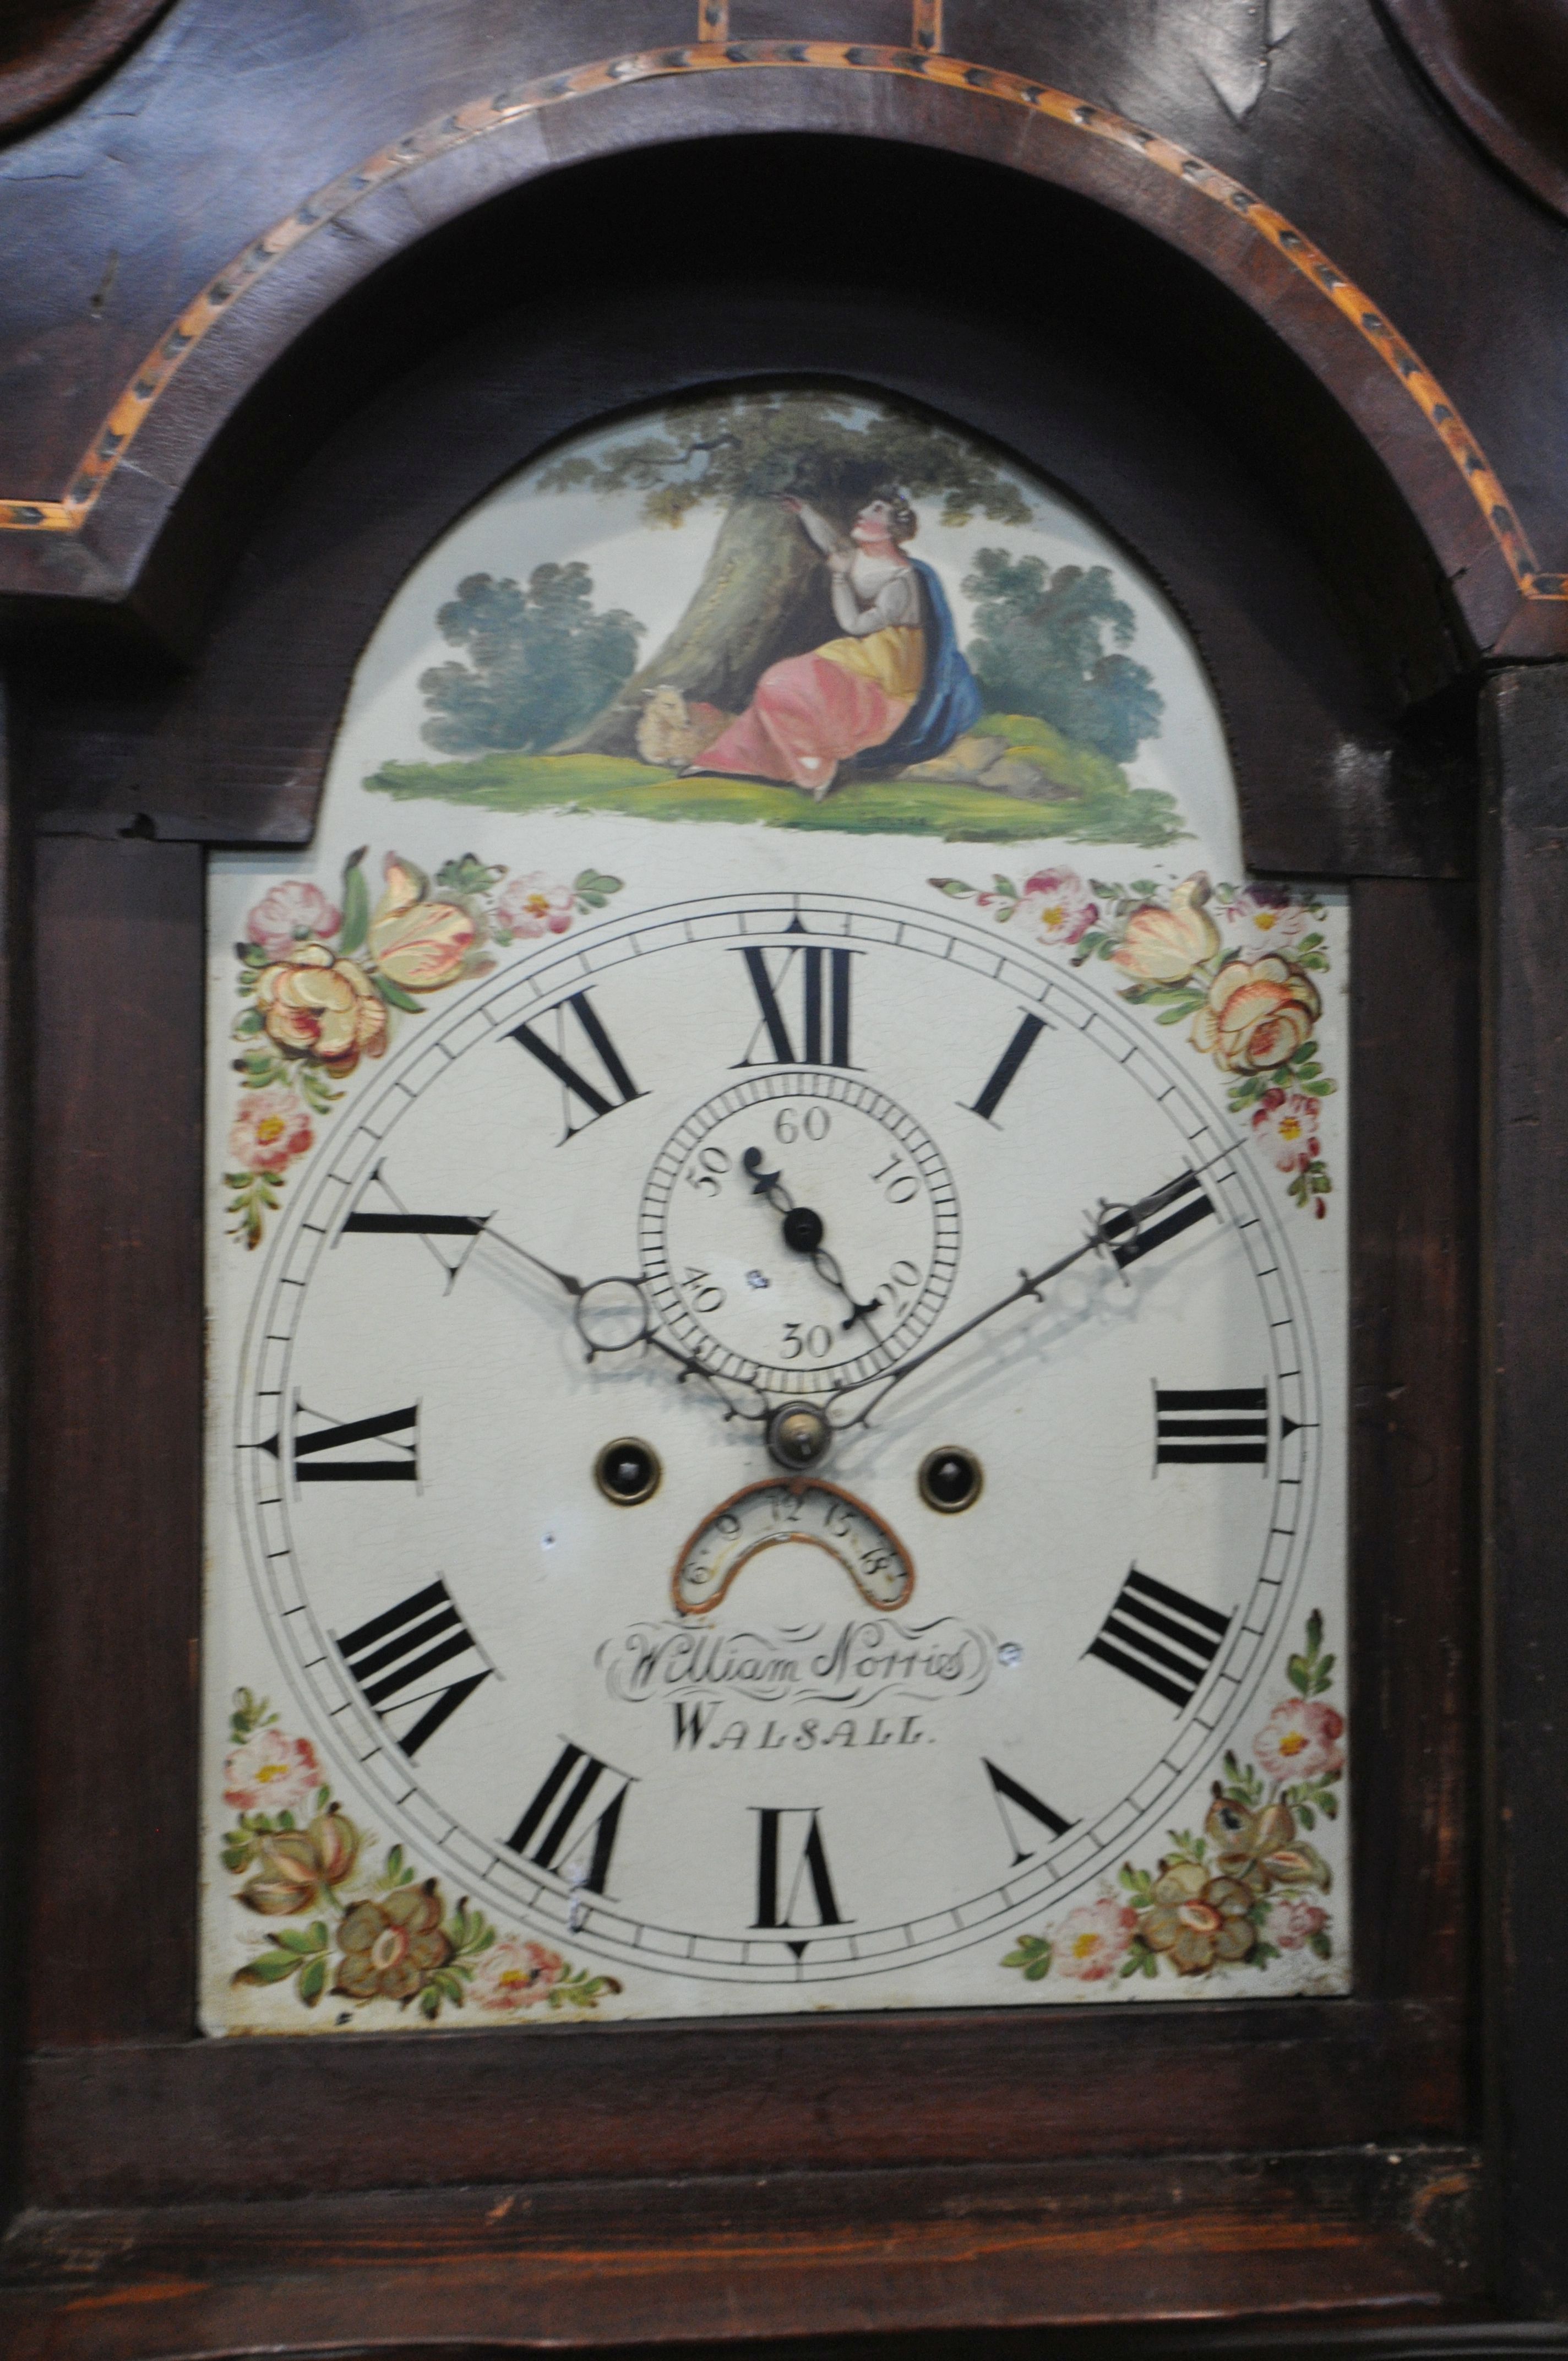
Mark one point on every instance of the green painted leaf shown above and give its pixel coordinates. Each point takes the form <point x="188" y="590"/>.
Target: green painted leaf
<point x="356" y="903"/>
<point x="394" y="996"/>
<point x="268" y="1968"/>
<point x="312" y="1982"/>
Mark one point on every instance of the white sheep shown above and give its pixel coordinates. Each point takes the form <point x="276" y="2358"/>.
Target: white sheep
<point x="673" y="732"/>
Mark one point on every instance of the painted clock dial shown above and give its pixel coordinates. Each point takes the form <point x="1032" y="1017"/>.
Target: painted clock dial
<point x="777" y="1439"/>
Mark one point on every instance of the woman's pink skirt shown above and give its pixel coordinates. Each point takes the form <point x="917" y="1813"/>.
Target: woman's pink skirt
<point x="808" y="716"/>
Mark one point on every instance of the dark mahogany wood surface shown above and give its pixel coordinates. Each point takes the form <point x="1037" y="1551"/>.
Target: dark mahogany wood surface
<point x="115" y="1417"/>
<point x="52" y="51"/>
<point x="806" y="2256"/>
<point x="1324" y="628"/>
<point x="224" y="136"/>
<point x="1415" y="1657"/>
<point x="156" y="2123"/>
<point x="1502" y="65"/>
<point x="179" y="667"/>
<point x="1526" y="1347"/>
<point x="816" y="2255"/>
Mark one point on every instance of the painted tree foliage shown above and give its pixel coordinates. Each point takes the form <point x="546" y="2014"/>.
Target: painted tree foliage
<point x="541" y="661"/>
<point x="1039" y="648"/>
<point x="763" y="593"/>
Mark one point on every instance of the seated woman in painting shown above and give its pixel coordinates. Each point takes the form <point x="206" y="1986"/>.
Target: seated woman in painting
<point x="895" y="681"/>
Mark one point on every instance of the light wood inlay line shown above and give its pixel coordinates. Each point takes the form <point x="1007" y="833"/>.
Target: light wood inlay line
<point x="483" y="115"/>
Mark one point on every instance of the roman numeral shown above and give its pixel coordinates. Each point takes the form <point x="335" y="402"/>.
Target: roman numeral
<point x="1226" y="1426"/>
<point x="1007" y="1790"/>
<point x="789" y="1859"/>
<point x="1005" y="1072"/>
<point x="389" y="1218"/>
<point x="575" y="1084"/>
<point x="393" y="1655"/>
<point x="307" y="1451"/>
<point x="1156" y="1227"/>
<point x="822" y="975"/>
<point x="560" y="1816"/>
<point x="1160" y="1637"/>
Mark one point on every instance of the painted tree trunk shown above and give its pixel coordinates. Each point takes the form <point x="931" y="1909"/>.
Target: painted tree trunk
<point x="763" y="595"/>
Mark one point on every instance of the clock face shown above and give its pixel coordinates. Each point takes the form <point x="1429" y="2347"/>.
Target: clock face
<point x="778" y="1435"/>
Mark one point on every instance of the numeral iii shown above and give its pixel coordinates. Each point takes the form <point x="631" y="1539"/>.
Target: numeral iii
<point x="1226" y="1426"/>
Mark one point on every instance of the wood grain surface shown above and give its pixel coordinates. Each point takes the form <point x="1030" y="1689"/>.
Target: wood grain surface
<point x="1325" y="631"/>
<point x="819" y="2255"/>
<point x="220" y="144"/>
<point x="177" y="670"/>
<point x="1525" y="1359"/>
<point x="115" y="1417"/>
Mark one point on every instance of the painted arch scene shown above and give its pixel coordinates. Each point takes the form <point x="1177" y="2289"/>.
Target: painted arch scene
<point x="800" y="608"/>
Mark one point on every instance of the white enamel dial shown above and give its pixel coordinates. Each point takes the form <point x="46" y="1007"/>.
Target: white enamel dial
<point x="692" y="1751"/>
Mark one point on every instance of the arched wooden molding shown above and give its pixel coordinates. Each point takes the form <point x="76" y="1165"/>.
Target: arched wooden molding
<point x="285" y="278"/>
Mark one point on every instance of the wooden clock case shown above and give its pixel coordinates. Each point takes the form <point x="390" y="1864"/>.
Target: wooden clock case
<point x="838" y="194"/>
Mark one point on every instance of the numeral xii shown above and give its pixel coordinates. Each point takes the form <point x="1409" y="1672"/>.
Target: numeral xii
<point x="819" y="976"/>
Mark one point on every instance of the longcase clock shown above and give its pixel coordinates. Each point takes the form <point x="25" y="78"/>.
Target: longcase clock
<point x="775" y="781"/>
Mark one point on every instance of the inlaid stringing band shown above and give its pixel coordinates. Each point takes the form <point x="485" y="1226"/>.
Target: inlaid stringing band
<point x="483" y="115"/>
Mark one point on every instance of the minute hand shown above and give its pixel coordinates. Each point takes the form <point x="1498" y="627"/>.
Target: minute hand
<point x="1124" y="1224"/>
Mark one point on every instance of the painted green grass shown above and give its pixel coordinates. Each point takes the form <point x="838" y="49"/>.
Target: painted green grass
<point x="1108" y="812"/>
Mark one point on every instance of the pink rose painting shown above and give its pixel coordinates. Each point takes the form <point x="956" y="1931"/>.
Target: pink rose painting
<point x="534" y="906"/>
<point x="292" y="913"/>
<point x="1091" y="1942"/>
<point x="1293" y="1922"/>
<point x="1285" y="1123"/>
<point x="270" y="1130"/>
<point x="271" y="1772"/>
<point x="513" y="1974"/>
<point x="1059" y="903"/>
<point x="1300" y="1741"/>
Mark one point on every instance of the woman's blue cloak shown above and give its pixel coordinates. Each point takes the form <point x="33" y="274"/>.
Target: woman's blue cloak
<point x="949" y="699"/>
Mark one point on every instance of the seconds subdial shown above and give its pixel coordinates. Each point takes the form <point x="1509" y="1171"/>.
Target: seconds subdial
<point x="790" y="1304"/>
